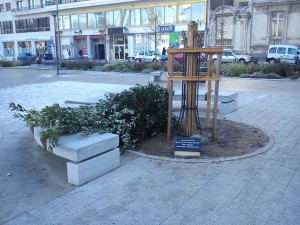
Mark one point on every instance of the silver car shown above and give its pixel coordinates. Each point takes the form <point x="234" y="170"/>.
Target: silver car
<point x="229" y="56"/>
<point x="149" y="56"/>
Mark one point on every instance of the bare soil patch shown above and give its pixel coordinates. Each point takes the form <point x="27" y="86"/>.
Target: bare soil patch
<point x="232" y="139"/>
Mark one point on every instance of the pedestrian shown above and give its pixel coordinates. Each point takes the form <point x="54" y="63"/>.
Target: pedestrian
<point x="163" y="51"/>
<point x="80" y="53"/>
<point x="69" y="54"/>
<point x="297" y="60"/>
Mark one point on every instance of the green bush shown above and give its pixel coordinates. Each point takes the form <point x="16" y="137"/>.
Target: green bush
<point x="5" y="63"/>
<point x="78" y="65"/>
<point x="282" y="69"/>
<point x="133" y="114"/>
<point x="139" y="67"/>
<point x="235" y="70"/>
<point x="261" y="75"/>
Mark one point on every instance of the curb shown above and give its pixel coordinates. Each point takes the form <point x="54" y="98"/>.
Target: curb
<point x="211" y="160"/>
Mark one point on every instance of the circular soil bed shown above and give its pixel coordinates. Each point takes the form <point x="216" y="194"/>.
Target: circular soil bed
<point x="232" y="139"/>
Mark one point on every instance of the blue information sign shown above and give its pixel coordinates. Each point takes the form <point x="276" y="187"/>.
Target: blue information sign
<point x="166" y="29"/>
<point x="189" y="144"/>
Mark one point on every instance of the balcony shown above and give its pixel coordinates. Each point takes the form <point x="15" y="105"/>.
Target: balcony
<point x="223" y="42"/>
<point x="275" y="40"/>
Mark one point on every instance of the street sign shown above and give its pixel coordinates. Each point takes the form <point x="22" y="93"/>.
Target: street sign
<point x="166" y="29"/>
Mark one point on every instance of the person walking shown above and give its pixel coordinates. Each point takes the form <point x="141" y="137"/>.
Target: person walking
<point x="80" y="53"/>
<point x="69" y="54"/>
<point x="163" y="51"/>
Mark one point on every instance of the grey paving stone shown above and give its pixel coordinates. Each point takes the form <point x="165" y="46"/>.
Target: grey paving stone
<point x="253" y="219"/>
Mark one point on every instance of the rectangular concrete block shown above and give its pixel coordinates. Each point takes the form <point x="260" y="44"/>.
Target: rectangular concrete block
<point x="80" y="173"/>
<point x="224" y="96"/>
<point x="227" y="107"/>
<point x="77" y="147"/>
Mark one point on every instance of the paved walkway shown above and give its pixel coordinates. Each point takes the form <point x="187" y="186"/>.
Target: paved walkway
<point x="264" y="189"/>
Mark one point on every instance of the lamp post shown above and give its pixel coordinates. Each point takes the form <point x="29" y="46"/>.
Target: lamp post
<point x="55" y="14"/>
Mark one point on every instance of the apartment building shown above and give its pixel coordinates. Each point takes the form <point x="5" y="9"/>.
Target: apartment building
<point x="102" y="29"/>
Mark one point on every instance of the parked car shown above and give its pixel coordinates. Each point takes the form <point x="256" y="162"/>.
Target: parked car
<point x="179" y="58"/>
<point x="149" y="56"/>
<point x="26" y="57"/>
<point x="229" y="56"/>
<point x="282" y="53"/>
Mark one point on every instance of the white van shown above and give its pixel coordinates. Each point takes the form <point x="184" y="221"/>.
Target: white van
<point x="282" y="53"/>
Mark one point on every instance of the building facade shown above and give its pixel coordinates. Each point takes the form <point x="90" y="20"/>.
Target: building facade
<point x="118" y="29"/>
<point x="251" y="26"/>
<point x="274" y="22"/>
<point x="102" y="29"/>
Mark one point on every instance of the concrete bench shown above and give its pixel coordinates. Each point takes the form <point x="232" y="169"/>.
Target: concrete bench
<point x="156" y="75"/>
<point x="90" y="156"/>
<point x="227" y="100"/>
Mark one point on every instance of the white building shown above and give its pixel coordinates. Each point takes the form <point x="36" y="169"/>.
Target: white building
<point x="103" y="29"/>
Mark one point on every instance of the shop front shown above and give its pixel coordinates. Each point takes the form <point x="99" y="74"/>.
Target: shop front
<point x="98" y="46"/>
<point x="118" y="43"/>
<point x="8" y="49"/>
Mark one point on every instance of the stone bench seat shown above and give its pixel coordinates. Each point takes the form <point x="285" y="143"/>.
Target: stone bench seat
<point x="90" y="156"/>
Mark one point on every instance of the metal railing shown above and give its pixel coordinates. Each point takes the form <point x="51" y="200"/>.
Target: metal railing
<point x="275" y="40"/>
<point x="223" y="42"/>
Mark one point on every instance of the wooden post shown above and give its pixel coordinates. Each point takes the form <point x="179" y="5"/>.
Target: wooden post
<point x="191" y="71"/>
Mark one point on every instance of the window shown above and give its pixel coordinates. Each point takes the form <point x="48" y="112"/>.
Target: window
<point x="115" y="18"/>
<point x="170" y="14"/>
<point x="1" y="8"/>
<point x="32" y="25"/>
<point x="277" y="27"/>
<point x="184" y="13"/>
<point x="135" y="17"/>
<point x="65" y="22"/>
<point x="243" y="4"/>
<point x="272" y="50"/>
<point x="292" y="51"/>
<point x="31" y="4"/>
<point x="19" y="5"/>
<point x="74" y="21"/>
<point x="8" y="48"/>
<point x="125" y="17"/>
<point x="160" y="14"/>
<point x="197" y="12"/>
<point x="146" y="15"/>
<point x="100" y="20"/>
<point x="281" y="50"/>
<point x="82" y="21"/>
<point x="92" y="21"/>
<point x="8" y="7"/>
<point x="43" y="3"/>
<point x="6" y="27"/>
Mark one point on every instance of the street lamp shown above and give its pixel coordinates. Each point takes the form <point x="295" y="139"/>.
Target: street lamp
<point x="55" y="14"/>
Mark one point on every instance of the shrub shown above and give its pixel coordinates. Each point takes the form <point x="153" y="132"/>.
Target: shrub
<point x="139" y="67"/>
<point x="133" y="114"/>
<point x="233" y="69"/>
<point x="81" y="65"/>
<point x="261" y="75"/>
<point x="5" y="63"/>
<point x="282" y="69"/>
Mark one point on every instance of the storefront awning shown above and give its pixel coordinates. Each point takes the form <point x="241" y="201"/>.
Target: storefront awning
<point x="79" y="37"/>
<point x="101" y="37"/>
